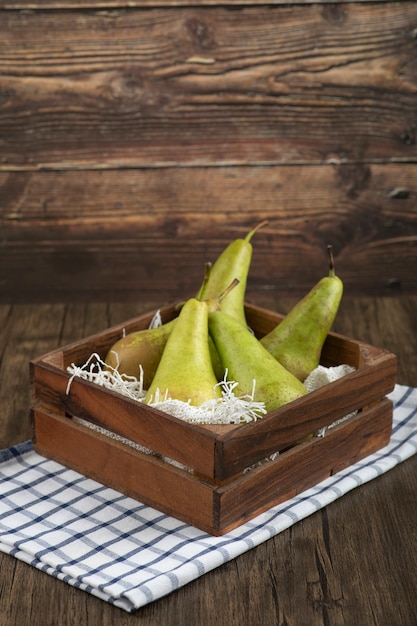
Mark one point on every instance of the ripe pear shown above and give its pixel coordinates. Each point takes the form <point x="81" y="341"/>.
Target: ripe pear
<point x="298" y="340"/>
<point x="142" y="347"/>
<point x="185" y="371"/>
<point x="247" y="360"/>
<point x="233" y="263"/>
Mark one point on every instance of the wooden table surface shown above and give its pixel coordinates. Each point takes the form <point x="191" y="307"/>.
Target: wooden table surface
<point x="354" y="562"/>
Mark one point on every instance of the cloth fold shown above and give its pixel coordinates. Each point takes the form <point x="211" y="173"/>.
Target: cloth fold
<point x="129" y="554"/>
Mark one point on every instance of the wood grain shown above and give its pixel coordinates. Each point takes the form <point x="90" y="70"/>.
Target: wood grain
<point x="127" y="234"/>
<point x="208" y="85"/>
<point x="136" y="144"/>
<point x="120" y="4"/>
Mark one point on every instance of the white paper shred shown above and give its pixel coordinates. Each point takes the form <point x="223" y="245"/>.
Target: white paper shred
<point x="96" y="371"/>
<point x="325" y="375"/>
<point x="228" y="409"/>
<point x="156" y="321"/>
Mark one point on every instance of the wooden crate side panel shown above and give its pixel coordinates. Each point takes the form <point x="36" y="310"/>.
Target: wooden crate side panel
<point x="304" y="466"/>
<point x="213" y="509"/>
<point x="291" y="423"/>
<point x="166" y="435"/>
<point x="138" y="475"/>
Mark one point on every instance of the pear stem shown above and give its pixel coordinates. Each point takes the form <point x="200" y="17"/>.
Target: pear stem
<point x="332" y="271"/>
<point x="228" y="289"/>
<point x="207" y="271"/>
<point x="254" y="230"/>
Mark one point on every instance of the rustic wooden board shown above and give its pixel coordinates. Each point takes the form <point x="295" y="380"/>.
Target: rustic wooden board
<point x="136" y="144"/>
<point x="146" y="233"/>
<point x="203" y="85"/>
<point x="140" y="4"/>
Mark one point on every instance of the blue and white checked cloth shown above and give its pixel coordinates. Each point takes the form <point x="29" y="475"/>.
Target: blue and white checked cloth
<point x="129" y="554"/>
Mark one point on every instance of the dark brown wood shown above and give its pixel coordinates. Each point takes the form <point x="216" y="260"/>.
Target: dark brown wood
<point x="207" y="85"/>
<point x="304" y="465"/>
<point x="190" y="498"/>
<point x="323" y="570"/>
<point x="159" y="484"/>
<point x="136" y="144"/>
<point x="186" y="443"/>
<point x="128" y="235"/>
<point x="113" y="4"/>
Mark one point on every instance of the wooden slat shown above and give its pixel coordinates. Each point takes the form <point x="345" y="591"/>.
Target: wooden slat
<point x="305" y="465"/>
<point x="146" y="234"/>
<point x="112" y="4"/>
<point x="203" y="85"/>
<point x="186" y="443"/>
<point x="238" y="446"/>
<point x="136" y="474"/>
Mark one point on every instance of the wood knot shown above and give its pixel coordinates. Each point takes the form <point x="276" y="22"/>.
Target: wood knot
<point x="335" y="14"/>
<point x="200" y="33"/>
<point x="408" y="137"/>
<point x="354" y="179"/>
<point x="393" y="284"/>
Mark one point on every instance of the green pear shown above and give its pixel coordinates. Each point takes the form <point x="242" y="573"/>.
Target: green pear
<point x="140" y="348"/>
<point x="185" y="371"/>
<point x="233" y="262"/>
<point x="246" y="360"/>
<point x="145" y="347"/>
<point x="298" y="340"/>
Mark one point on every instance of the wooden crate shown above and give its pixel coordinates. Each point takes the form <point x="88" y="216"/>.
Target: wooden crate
<point x="213" y="477"/>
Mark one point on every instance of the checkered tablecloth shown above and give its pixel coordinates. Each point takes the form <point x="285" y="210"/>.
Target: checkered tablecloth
<point x="129" y="554"/>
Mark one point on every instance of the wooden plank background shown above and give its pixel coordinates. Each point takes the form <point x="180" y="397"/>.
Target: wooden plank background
<point x="136" y="142"/>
